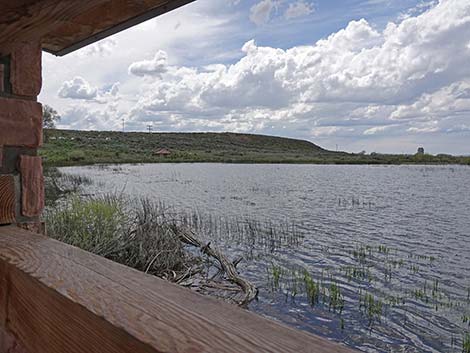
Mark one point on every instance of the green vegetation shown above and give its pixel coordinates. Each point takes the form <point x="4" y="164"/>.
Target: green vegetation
<point x="152" y="237"/>
<point x="372" y="307"/>
<point x="142" y="238"/>
<point x="466" y="343"/>
<point x="370" y="286"/>
<point x="68" y="147"/>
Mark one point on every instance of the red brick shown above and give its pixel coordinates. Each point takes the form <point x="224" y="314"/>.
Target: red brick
<point x="20" y="123"/>
<point x="32" y="186"/>
<point x="7" y="199"/>
<point x="26" y="66"/>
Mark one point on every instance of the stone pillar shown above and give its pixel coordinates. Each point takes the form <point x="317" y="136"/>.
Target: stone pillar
<point x="21" y="178"/>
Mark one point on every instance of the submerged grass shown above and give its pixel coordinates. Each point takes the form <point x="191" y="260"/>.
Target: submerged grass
<point x="466" y="343"/>
<point x="254" y="237"/>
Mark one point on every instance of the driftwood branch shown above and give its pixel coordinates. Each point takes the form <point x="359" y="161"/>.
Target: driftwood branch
<point x="188" y="237"/>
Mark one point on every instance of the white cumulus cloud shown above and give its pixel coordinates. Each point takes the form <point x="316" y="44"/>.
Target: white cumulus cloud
<point x="299" y="9"/>
<point x="77" y="88"/>
<point x="155" y="67"/>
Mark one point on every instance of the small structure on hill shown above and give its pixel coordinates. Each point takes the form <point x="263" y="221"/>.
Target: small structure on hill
<point x="420" y="151"/>
<point x="162" y="152"/>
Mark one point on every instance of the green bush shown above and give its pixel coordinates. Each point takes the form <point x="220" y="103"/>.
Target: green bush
<point x="77" y="156"/>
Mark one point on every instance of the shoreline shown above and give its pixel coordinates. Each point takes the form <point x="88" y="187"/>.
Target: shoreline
<point x="326" y="163"/>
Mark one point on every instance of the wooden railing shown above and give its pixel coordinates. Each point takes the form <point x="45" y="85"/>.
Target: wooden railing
<point x="57" y="298"/>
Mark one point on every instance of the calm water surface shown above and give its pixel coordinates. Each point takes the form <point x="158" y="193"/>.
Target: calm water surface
<point x="398" y="233"/>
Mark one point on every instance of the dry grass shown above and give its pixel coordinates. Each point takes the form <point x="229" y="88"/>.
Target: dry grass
<point x="136" y="233"/>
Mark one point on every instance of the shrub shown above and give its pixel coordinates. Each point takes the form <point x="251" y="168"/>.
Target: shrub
<point x="77" y="155"/>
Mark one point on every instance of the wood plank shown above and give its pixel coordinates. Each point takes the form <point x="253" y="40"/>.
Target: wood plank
<point x="29" y="20"/>
<point x="66" y="25"/>
<point x="90" y="23"/>
<point x="7" y="199"/>
<point x="79" y="298"/>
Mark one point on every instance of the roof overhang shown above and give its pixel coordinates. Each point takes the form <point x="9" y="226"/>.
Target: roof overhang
<point x="64" y="26"/>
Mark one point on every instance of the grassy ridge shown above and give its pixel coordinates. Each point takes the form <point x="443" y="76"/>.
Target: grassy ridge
<point x="69" y="147"/>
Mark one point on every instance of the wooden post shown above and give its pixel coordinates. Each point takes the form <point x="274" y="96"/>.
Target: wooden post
<point x="21" y="180"/>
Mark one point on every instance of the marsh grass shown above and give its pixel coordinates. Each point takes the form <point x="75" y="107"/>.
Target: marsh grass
<point x="254" y="237"/>
<point x="466" y="343"/>
<point x="371" y="295"/>
<point x="59" y="185"/>
<point x="371" y="306"/>
<point x="135" y="233"/>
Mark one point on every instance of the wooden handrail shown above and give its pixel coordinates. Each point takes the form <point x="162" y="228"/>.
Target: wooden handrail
<point x="58" y="298"/>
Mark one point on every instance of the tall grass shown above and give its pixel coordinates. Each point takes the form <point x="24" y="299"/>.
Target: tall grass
<point x="59" y="185"/>
<point x="254" y="237"/>
<point x="135" y="233"/>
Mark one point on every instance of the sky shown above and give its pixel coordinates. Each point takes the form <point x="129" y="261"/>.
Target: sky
<point x="382" y="76"/>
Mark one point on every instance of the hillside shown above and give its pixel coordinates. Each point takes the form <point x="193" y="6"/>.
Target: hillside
<point x="69" y="147"/>
<point x="64" y="147"/>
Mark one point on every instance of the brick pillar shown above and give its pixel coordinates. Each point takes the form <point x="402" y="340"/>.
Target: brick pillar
<point x="21" y="178"/>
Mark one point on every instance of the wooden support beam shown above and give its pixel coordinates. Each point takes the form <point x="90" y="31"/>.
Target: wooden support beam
<point x="66" y="25"/>
<point x="30" y="20"/>
<point x="57" y="298"/>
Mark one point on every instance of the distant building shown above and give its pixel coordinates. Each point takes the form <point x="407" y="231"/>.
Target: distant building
<point x="162" y="152"/>
<point x="420" y="150"/>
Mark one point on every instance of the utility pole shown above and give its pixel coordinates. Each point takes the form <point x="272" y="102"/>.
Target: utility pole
<point x="123" y="124"/>
<point x="149" y="127"/>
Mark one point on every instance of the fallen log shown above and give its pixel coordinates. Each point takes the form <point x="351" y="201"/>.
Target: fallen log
<point x="187" y="236"/>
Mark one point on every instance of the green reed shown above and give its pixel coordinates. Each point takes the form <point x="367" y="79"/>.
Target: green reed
<point x="466" y="343"/>
<point x="312" y="289"/>
<point x="372" y="307"/>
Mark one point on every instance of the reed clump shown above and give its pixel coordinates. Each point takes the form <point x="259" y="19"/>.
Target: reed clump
<point x="137" y="234"/>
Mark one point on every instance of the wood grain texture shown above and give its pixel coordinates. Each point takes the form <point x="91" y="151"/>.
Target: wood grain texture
<point x="7" y="199"/>
<point x="9" y="343"/>
<point x="62" y="299"/>
<point x="102" y="17"/>
<point x="20" y="123"/>
<point x="29" y="20"/>
<point x="32" y="186"/>
<point x="60" y="24"/>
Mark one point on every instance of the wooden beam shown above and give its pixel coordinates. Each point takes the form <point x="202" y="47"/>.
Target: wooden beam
<point x="57" y="298"/>
<point x="30" y="20"/>
<point x="67" y="25"/>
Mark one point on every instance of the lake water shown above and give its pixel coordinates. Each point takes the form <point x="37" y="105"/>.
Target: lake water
<point x="394" y="239"/>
